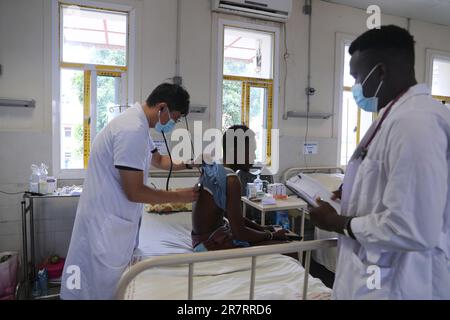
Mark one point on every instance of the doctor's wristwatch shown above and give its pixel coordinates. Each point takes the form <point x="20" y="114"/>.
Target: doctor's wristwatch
<point x="348" y="229"/>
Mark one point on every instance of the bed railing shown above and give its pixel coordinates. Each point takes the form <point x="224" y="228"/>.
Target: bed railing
<point x="253" y="252"/>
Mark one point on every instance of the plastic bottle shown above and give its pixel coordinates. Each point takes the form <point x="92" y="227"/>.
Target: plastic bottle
<point x="51" y="184"/>
<point x="258" y="184"/>
<point x="43" y="185"/>
<point x="34" y="179"/>
<point x="43" y="281"/>
<point x="44" y="171"/>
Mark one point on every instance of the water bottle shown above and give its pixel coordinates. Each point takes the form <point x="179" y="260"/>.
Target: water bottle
<point x="43" y="281"/>
<point x="258" y="184"/>
<point x="43" y="184"/>
<point x="34" y="179"/>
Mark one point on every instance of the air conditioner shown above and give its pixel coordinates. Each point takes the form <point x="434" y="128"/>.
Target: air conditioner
<point x="275" y="10"/>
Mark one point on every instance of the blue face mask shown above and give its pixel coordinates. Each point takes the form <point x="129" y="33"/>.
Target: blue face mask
<point x="165" y="128"/>
<point x="367" y="104"/>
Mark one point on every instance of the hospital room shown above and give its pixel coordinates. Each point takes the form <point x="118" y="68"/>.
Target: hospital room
<point x="220" y="150"/>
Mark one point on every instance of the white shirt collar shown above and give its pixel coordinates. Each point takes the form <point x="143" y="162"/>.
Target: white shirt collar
<point x="416" y="90"/>
<point x="141" y="112"/>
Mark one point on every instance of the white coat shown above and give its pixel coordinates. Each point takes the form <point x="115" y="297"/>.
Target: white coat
<point x="107" y="224"/>
<point x="401" y="201"/>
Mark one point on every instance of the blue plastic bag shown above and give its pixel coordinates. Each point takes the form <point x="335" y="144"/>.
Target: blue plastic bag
<point x="282" y="219"/>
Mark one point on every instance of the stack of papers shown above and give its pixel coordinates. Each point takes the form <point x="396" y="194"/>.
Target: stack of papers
<point x="310" y="189"/>
<point x="268" y="200"/>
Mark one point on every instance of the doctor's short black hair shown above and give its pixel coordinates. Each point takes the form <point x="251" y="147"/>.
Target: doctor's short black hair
<point x="389" y="41"/>
<point x="176" y="97"/>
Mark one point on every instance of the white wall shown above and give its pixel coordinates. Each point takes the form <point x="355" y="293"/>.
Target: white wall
<point x="25" y="53"/>
<point x="428" y="36"/>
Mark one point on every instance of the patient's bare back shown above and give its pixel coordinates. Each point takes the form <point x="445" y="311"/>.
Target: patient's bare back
<point x="206" y="215"/>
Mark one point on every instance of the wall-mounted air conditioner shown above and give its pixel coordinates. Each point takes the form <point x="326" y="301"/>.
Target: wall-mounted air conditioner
<point x="275" y="10"/>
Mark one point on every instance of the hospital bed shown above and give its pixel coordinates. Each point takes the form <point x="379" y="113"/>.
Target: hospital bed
<point x="165" y="267"/>
<point x="331" y="178"/>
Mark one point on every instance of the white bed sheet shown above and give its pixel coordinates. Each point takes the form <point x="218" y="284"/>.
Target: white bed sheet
<point x="277" y="276"/>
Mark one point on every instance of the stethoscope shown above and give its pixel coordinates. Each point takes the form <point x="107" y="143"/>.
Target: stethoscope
<point x="362" y="153"/>
<point x="170" y="155"/>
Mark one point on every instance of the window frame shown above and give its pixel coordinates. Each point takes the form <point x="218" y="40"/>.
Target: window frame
<point x="91" y="72"/>
<point x="247" y="84"/>
<point x="431" y="55"/>
<point x="342" y="39"/>
<point x="270" y="84"/>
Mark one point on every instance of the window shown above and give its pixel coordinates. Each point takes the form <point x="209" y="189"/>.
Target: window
<point x="440" y="78"/>
<point x="93" y="70"/>
<point x="247" y="82"/>
<point x="355" y="122"/>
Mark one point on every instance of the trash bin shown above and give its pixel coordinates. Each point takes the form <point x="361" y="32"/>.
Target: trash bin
<point x="9" y="265"/>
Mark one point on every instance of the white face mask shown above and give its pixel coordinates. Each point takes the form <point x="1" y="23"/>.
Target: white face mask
<point x="165" y="128"/>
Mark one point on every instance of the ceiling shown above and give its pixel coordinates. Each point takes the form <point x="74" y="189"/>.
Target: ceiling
<point x="434" y="11"/>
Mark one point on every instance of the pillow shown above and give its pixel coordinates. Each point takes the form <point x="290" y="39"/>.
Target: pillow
<point x="164" y="234"/>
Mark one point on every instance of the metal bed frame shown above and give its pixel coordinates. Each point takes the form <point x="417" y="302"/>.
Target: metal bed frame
<point x="253" y="252"/>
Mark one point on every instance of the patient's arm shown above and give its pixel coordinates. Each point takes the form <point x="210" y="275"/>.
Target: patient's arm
<point x="250" y="224"/>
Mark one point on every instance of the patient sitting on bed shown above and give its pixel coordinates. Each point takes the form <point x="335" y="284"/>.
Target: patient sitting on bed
<point x="217" y="218"/>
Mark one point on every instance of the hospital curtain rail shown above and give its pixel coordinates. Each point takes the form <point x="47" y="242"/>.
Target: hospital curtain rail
<point x="253" y="252"/>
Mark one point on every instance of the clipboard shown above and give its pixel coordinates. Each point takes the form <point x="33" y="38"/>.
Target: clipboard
<point x="310" y="189"/>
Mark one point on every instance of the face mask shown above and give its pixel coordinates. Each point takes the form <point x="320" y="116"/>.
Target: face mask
<point x="367" y="104"/>
<point x="165" y="128"/>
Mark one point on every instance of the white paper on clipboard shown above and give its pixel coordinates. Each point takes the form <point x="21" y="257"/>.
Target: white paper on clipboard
<point x="310" y="189"/>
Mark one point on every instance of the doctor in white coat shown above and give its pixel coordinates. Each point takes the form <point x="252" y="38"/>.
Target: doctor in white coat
<point x="395" y="202"/>
<point x="107" y="221"/>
